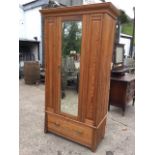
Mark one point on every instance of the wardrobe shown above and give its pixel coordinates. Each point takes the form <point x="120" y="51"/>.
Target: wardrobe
<point x="78" y="45"/>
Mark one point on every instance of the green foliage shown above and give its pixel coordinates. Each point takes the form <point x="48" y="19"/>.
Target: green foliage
<point x="126" y="23"/>
<point x="123" y="18"/>
<point x="127" y="28"/>
<point x="71" y="37"/>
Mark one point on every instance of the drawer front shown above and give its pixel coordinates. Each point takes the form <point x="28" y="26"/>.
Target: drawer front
<point x="129" y="97"/>
<point x="69" y="129"/>
<point x="130" y="91"/>
<point x="131" y="86"/>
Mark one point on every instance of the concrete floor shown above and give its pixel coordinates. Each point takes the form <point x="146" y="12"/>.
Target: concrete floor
<point x="69" y="104"/>
<point x="119" y="137"/>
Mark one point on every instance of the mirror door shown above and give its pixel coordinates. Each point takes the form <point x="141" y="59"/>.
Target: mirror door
<point x="70" y="66"/>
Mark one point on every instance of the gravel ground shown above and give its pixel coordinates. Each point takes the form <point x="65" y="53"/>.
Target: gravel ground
<point x="119" y="138"/>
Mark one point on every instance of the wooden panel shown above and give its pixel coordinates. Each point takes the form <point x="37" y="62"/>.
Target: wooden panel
<point x="57" y="64"/>
<point x="49" y="25"/>
<point x="98" y="134"/>
<point x="92" y="25"/>
<point x="115" y="95"/>
<point x="52" y="63"/>
<point x="108" y="8"/>
<point x="84" y="62"/>
<point x="71" y="18"/>
<point x="70" y="129"/>
<point x="104" y="61"/>
<point x="96" y="57"/>
<point x="95" y="43"/>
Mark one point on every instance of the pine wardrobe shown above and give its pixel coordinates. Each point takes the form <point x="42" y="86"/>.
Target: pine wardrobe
<point x="78" y="45"/>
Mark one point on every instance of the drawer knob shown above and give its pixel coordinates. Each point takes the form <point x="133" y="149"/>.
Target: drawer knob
<point x="56" y="124"/>
<point x="78" y="132"/>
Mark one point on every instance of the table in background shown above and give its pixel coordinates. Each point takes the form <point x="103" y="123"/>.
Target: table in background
<point x="122" y="91"/>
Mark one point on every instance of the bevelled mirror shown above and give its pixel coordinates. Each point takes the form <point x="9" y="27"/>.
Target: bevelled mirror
<point x="119" y="54"/>
<point x="70" y="66"/>
<point x="118" y="58"/>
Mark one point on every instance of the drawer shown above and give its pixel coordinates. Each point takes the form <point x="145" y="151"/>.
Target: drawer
<point x="130" y="92"/>
<point x="131" y="85"/>
<point x="69" y="129"/>
<point x="130" y="95"/>
<point x="131" y="88"/>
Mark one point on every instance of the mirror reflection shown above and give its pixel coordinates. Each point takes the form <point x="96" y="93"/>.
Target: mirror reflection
<point x="70" y="67"/>
<point x="119" y="54"/>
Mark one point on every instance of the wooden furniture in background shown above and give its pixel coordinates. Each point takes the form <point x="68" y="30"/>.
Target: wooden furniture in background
<point x="118" y="68"/>
<point x="31" y="72"/>
<point x="98" y="29"/>
<point x="122" y="91"/>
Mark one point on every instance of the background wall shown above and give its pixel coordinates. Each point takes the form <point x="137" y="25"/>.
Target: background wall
<point x="33" y="24"/>
<point x="21" y="23"/>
